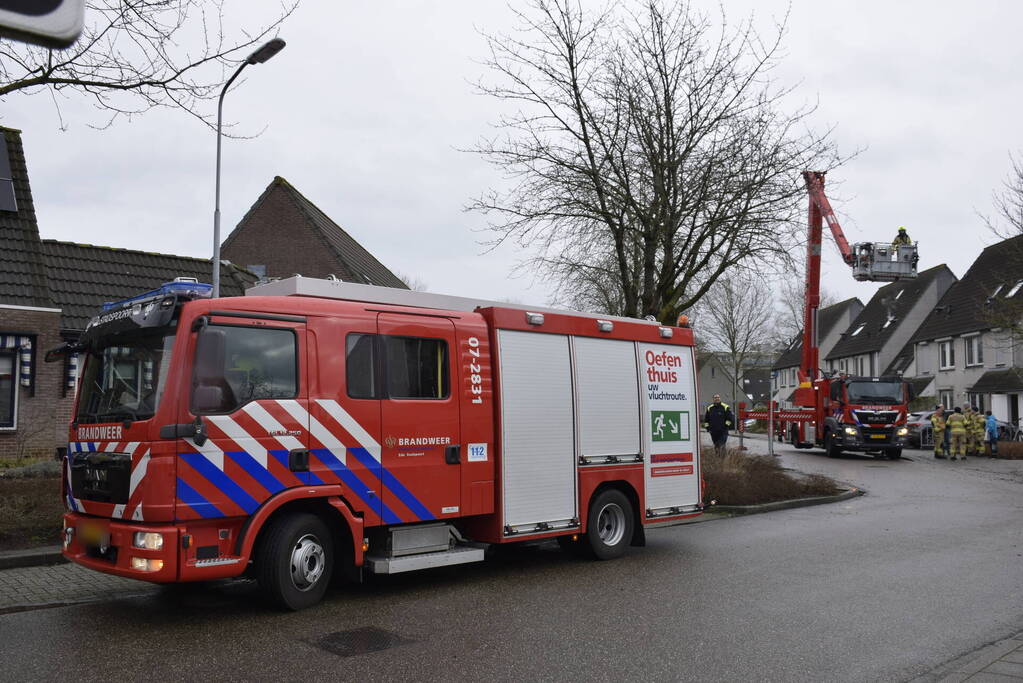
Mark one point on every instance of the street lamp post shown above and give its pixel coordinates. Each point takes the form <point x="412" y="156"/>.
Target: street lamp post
<point x="261" y="55"/>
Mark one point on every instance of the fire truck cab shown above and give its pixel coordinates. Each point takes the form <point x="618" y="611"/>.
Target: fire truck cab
<point x="865" y="414"/>
<point x="315" y="428"/>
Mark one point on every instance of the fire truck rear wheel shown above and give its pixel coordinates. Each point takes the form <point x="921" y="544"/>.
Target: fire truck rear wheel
<point x="610" y="524"/>
<point x="295" y="561"/>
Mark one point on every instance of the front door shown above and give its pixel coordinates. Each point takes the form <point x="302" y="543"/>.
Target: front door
<point x="248" y="386"/>
<point x="421" y="451"/>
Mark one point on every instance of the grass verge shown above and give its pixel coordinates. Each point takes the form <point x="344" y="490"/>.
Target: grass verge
<point x="30" y="512"/>
<point x="737" y="478"/>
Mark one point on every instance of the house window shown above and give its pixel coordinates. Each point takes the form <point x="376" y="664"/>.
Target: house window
<point x="8" y="390"/>
<point x="946" y="355"/>
<point x="712" y="372"/>
<point x="977" y="401"/>
<point x="945" y="398"/>
<point x="259" y="270"/>
<point x="923" y="359"/>
<point x="974" y="350"/>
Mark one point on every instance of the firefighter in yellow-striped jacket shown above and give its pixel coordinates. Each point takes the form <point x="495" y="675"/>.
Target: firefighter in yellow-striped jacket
<point x="977" y="428"/>
<point x="960" y="433"/>
<point x="938" y="431"/>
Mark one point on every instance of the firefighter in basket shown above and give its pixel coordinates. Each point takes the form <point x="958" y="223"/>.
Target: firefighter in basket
<point x="901" y="238"/>
<point x="717" y="420"/>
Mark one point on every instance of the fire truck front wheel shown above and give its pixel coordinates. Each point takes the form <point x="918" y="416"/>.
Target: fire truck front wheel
<point x="610" y="524"/>
<point x="294" y="561"/>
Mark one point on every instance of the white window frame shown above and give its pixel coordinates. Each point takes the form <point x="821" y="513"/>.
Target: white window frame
<point x="858" y="329"/>
<point x="943" y="346"/>
<point x="924" y="368"/>
<point x="15" y="387"/>
<point x="973" y="348"/>
<point x="946" y="398"/>
<point x="1015" y="288"/>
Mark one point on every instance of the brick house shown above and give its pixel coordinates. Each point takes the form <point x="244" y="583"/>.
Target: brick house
<point x="284" y="234"/>
<point x="29" y="318"/>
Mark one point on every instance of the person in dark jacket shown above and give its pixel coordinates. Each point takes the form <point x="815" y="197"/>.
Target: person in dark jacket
<point x="717" y="420"/>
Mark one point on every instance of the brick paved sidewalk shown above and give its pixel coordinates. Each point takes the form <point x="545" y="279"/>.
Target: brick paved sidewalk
<point x="62" y="584"/>
<point x="1002" y="662"/>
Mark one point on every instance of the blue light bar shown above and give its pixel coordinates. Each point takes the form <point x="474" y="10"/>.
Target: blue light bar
<point x="184" y="290"/>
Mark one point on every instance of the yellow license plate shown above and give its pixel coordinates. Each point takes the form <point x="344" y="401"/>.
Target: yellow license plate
<point x="93" y="534"/>
<point x="877" y="436"/>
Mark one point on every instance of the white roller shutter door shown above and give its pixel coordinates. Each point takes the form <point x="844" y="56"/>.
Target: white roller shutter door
<point x="608" y="395"/>
<point x="537" y="429"/>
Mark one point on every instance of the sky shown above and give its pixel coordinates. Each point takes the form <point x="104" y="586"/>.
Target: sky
<point x="368" y="109"/>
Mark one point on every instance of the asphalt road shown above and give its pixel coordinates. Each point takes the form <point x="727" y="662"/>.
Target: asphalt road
<point x="888" y="586"/>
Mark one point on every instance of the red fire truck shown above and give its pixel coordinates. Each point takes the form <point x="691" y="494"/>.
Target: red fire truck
<point x="316" y="428"/>
<point x="839" y="412"/>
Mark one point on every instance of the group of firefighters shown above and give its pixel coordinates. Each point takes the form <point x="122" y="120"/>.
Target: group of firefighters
<point x="966" y="432"/>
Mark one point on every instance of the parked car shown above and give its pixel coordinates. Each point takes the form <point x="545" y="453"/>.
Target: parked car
<point x="919" y="424"/>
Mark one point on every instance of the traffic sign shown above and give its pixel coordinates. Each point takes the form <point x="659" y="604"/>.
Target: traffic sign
<point x="53" y="23"/>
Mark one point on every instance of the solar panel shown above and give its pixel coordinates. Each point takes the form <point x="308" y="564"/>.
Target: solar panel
<point x="7" y="200"/>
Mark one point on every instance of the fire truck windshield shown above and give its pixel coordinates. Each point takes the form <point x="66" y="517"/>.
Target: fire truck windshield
<point x="124" y="377"/>
<point x="884" y="393"/>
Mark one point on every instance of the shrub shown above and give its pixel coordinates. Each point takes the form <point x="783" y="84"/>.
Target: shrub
<point x="736" y="478"/>
<point x="30" y="512"/>
<point x="1010" y="450"/>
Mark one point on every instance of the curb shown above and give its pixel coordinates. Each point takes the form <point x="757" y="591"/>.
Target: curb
<point x="35" y="557"/>
<point x="723" y="511"/>
<point x="734" y="510"/>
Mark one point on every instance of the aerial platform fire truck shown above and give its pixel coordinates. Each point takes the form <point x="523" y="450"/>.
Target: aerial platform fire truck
<point x="316" y="428"/>
<point x="839" y="412"/>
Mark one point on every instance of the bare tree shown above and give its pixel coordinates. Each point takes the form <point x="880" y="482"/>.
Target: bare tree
<point x="1001" y="311"/>
<point x="135" y="55"/>
<point x="646" y="152"/>
<point x="1008" y="203"/>
<point x="413" y="282"/>
<point x="789" y="304"/>
<point x="734" y="319"/>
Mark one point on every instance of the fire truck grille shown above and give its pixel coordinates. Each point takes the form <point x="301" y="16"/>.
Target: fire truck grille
<point x="358" y="641"/>
<point x="881" y="417"/>
<point x="102" y="477"/>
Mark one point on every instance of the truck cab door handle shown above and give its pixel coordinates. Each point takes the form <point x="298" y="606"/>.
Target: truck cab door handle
<point x="452" y="454"/>
<point x="298" y="460"/>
